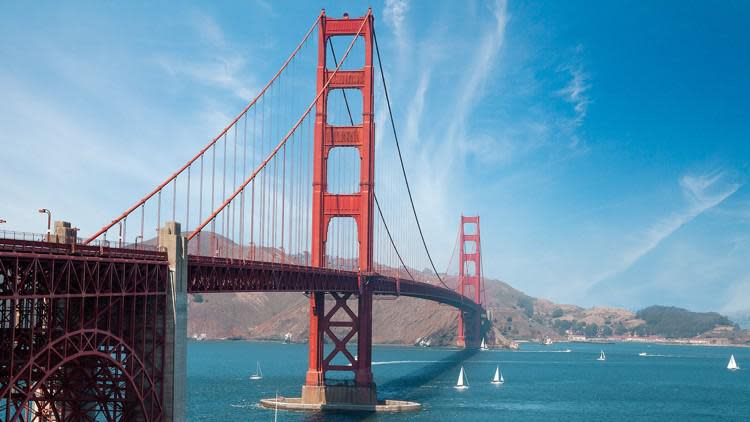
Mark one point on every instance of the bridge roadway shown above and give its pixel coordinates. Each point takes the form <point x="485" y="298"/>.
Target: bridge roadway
<point x="217" y="275"/>
<point x="225" y="275"/>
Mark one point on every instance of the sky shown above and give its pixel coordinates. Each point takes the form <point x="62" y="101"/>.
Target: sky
<point x="605" y="145"/>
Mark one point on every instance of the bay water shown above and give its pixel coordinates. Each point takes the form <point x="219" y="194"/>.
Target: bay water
<point x="542" y="383"/>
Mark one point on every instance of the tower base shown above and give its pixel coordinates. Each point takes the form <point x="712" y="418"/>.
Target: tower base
<point x="286" y="403"/>
<point x="343" y="394"/>
<point x="465" y="343"/>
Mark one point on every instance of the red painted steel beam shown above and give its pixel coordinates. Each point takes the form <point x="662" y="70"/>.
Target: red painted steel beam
<point x="71" y="322"/>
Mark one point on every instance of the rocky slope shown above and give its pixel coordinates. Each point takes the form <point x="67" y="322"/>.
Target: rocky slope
<point x="270" y="316"/>
<point x="514" y="316"/>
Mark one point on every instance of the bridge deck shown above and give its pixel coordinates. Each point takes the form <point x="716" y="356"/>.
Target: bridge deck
<point x="216" y="275"/>
<point x="223" y="275"/>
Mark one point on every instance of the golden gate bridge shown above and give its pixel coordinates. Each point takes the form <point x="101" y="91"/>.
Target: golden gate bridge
<point x="283" y="199"/>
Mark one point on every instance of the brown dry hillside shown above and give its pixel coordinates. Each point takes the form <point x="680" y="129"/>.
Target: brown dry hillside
<point x="514" y="316"/>
<point x="396" y="321"/>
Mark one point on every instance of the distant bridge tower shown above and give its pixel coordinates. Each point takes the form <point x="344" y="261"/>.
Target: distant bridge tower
<point x="327" y="206"/>
<point x="470" y="281"/>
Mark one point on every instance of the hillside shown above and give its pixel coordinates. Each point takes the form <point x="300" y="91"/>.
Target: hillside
<point x="514" y="315"/>
<point x="269" y="316"/>
<point x="671" y="322"/>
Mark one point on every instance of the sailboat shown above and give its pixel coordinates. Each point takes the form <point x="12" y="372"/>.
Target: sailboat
<point x="601" y="356"/>
<point x="732" y="365"/>
<point x="258" y="375"/>
<point x="483" y="346"/>
<point x="463" y="382"/>
<point x="498" y="378"/>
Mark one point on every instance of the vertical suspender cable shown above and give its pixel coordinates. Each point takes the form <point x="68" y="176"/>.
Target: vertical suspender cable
<point x="401" y="160"/>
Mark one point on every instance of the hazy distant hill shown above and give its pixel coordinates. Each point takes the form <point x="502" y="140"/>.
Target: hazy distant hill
<point x="741" y="318"/>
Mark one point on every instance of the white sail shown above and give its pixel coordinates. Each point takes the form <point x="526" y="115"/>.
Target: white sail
<point x="484" y="345"/>
<point x="732" y="363"/>
<point x="258" y="373"/>
<point x="498" y="378"/>
<point x="602" y="356"/>
<point x="462" y="381"/>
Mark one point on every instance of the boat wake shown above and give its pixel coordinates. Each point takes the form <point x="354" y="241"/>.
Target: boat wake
<point x="402" y="362"/>
<point x="656" y="355"/>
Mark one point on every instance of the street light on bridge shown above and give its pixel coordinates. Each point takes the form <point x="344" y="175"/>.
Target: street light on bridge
<point x="49" y="221"/>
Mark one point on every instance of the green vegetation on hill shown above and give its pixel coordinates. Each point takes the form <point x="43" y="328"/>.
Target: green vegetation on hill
<point x="671" y="322"/>
<point x="527" y="304"/>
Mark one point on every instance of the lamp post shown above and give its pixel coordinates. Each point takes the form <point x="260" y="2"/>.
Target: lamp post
<point x="136" y="240"/>
<point x="49" y="221"/>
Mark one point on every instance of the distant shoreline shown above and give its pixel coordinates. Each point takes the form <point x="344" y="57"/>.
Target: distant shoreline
<point x="665" y="342"/>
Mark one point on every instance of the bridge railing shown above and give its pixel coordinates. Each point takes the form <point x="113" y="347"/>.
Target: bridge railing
<point x="52" y="243"/>
<point x="26" y="236"/>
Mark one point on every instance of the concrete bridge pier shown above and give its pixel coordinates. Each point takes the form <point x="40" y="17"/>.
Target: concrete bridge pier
<point x="362" y="391"/>
<point x="469" y="329"/>
<point x="359" y="394"/>
<point x="175" y="244"/>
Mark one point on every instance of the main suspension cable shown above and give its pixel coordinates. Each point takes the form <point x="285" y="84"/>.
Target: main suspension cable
<point x="401" y="160"/>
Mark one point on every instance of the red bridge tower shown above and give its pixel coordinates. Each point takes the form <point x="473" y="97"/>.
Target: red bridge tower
<point x="470" y="281"/>
<point x="327" y="206"/>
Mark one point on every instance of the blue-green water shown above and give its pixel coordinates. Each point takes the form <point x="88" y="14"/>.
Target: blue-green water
<point x="542" y="384"/>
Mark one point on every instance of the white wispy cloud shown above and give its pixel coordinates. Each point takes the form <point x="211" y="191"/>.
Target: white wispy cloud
<point x="267" y="6"/>
<point x="437" y="148"/>
<point x="702" y="192"/>
<point x="220" y="67"/>
<point x="478" y="71"/>
<point x="225" y="72"/>
<point x="208" y="29"/>
<point x="394" y="15"/>
<point x="575" y="93"/>
<point x="576" y="90"/>
<point x="416" y="108"/>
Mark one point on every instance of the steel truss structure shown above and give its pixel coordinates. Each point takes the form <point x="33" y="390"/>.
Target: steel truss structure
<point x="217" y="275"/>
<point x="81" y="332"/>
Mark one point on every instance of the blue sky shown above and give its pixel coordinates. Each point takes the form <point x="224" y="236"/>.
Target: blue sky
<point x="605" y="145"/>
